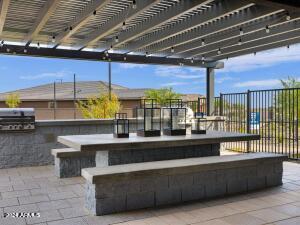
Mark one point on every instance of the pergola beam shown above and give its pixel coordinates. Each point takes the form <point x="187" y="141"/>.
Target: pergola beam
<point x="190" y="49"/>
<point x="247" y="38"/>
<point x="215" y="12"/>
<point x="250" y="14"/>
<point x="81" y="20"/>
<point x="41" y="19"/>
<point x="171" y="13"/>
<point x="3" y="12"/>
<point x="260" y="45"/>
<point x="100" y="56"/>
<point x="116" y="22"/>
<point x="280" y="4"/>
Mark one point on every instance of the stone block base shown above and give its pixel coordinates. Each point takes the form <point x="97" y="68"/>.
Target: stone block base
<point x="123" y="191"/>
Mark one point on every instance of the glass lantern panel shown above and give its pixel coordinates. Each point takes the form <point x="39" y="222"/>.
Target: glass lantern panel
<point x="140" y="119"/>
<point x="167" y="118"/>
<point x="148" y="119"/>
<point x="178" y="118"/>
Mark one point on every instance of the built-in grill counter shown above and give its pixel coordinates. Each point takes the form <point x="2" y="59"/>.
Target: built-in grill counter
<point x="17" y="120"/>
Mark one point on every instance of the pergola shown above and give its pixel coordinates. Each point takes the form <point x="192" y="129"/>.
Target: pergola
<point x="196" y="33"/>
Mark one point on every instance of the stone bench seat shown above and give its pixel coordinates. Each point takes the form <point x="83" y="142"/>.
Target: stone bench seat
<point x="150" y="184"/>
<point x="69" y="161"/>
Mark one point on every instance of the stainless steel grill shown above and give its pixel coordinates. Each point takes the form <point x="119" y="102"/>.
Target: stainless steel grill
<point x="17" y="119"/>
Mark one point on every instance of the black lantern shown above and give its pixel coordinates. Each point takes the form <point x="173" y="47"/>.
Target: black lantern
<point x="174" y="118"/>
<point x="148" y="118"/>
<point x="199" y="124"/>
<point x="121" y="125"/>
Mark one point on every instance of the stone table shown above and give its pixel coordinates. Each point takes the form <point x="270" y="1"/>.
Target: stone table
<point x="115" y="151"/>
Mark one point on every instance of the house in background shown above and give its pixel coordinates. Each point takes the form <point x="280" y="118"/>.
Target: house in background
<point x="41" y="98"/>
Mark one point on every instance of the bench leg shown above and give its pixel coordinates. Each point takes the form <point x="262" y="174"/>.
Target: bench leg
<point x="71" y="167"/>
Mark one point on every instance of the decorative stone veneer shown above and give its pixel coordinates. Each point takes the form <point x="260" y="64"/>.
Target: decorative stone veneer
<point x="34" y="148"/>
<point x="129" y="187"/>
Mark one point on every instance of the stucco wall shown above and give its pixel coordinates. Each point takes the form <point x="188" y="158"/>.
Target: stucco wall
<point x="33" y="148"/>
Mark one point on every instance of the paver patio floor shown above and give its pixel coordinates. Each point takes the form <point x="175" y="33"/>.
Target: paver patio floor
<point x="60" y="202"/>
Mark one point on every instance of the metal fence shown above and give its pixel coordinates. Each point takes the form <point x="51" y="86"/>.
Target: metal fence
<point x="273" y="114"/>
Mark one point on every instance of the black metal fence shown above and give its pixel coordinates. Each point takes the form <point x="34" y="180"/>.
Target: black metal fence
<point x="273" y="114"/>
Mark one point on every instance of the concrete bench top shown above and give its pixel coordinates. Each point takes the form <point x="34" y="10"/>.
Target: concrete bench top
<point x="104" y="142"/>
<point x="168" y="167"/>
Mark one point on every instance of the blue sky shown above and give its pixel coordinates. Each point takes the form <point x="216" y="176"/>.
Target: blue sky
<point x="262" y="71"/>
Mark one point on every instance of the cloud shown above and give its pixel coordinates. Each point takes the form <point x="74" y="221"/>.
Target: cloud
<point x="222" y="79"/>
<point x="59" y="74"/>
<point x="262" y="59"/>
<point x="178" y="72"/>
<point x="174" y="84"/>
<point x="258" y="83"/>
<point x="132" y="65"/>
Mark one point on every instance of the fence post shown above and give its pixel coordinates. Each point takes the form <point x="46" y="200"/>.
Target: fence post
<point x="221" y="104"/>
<point x="248" y="117"/>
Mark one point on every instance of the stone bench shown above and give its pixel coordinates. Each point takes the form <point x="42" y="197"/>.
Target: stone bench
<point x="151" y="184"/>
<point x="69" y="162"/>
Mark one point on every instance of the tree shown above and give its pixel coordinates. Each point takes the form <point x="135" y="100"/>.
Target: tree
<point x="100" y="107"/>
<point x="13" y="100"/>
<point x="290" y="82"/>
<point x="162" y="95"/>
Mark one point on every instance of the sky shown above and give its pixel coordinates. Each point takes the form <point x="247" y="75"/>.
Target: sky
<point x="250" y="72"/>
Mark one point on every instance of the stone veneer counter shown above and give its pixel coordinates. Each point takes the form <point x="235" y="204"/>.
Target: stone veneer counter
<point x="104" y="142"/>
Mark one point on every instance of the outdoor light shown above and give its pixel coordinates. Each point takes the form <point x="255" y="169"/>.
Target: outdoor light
<point x="240" y="41"/>
<point x="288" y="46"/>
<point x="106" y="53"/>
<point x="111" y="47"/>
<point x="288" y="17"/>
<point x="25" y="50"/>
<point x="94" y="13"/>
<point x="199" y="124"/>
<point x="219" y="51"/>
<point x="38" y="45"/>
<point x="121" y="125"/>
<point x="125" y="58"/>
<point x="134" y="4"/>
<point x="202" y="58"/>
<point x="117" y="39"/>
<point x="124" y="25"/>
<point x="241" y="31"/>
<point x="147" y="54"/>
<point x="8" y="50"/>
<point x="53" y="39"/>
<point x="192" y="60"/>
<point x="203" y="42"/>
<point x="267" y="29"/>
<point x="172" y="49"/>
<point x="148" y="116"/>
<point x="174" y="118"/>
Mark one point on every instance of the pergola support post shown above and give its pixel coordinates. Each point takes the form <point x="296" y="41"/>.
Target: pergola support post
<point x="210" y="91"/>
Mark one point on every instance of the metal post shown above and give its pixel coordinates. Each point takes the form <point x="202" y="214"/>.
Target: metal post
<point x="74" y="95"/>
<point x="109" y="80"/>
<point x="54" y="100"/>
<point x="221" y="104"/>
<point x="210" y="91"/>
<point x="248" y="117"/>
<point x="198" y="106"/>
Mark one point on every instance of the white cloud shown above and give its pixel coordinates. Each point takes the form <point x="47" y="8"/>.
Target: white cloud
<point x="178" y="72"/>
<point x="174" y="84"/>
<point x="59" y="74"/>
<point x="132" y="65"/>
<point x="258" y="83"/>
<point x="222" y="79"/>
<point x="262" y="59"/>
